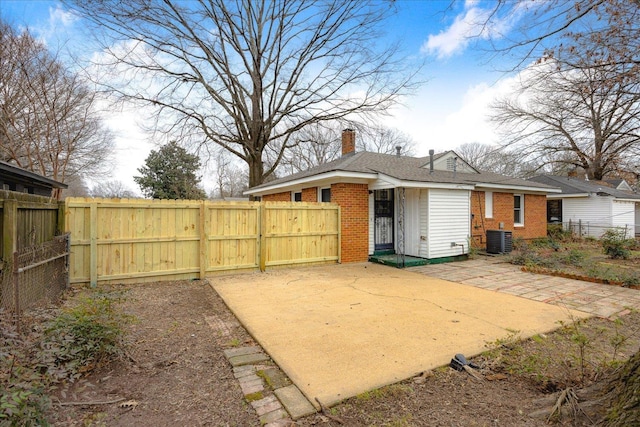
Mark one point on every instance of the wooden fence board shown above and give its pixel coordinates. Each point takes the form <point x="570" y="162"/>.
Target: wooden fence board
<point x="127" y="240"/>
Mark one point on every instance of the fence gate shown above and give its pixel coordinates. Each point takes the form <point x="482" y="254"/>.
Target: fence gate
<point x="36" y="273"/>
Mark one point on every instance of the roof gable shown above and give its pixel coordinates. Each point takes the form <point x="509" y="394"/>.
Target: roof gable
<point x="448" y="161"/>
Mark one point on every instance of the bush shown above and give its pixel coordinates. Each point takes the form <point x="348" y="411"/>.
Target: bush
<point x="574" y="257"/>
<point x="83" y="337"/>
<point x="615" y="244"/>
<point x="73" y="343"/>
<point x="558" y="232"/>
<point x="23" y="398"/>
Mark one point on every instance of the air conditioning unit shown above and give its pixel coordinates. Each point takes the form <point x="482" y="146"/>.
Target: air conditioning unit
<point x="499" y="241"/>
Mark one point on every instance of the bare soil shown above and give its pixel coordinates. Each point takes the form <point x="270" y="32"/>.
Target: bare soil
<point x="176" y="373"/>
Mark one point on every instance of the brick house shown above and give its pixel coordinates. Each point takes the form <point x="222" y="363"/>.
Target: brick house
<point x="426" y="207"/>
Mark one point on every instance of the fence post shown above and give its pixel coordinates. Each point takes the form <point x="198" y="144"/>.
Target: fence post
<point x="10" y="227"/>
<point x="93" y="244"/>
<point x="16" y="291"/>
<point x="339" y="235"/>
<point x="262" y="238"/>
<point x="204" y="241"/>
<point x="61" y="225"/>
<point x="579" y="228"/>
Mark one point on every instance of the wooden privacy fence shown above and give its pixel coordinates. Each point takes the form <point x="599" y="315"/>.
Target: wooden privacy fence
<point x="28" y="225"/>
<point x="134" y="240"/>
<point x="27" y="220"/>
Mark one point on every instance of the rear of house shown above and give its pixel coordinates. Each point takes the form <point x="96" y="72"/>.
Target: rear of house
<point x="432" y="208"/>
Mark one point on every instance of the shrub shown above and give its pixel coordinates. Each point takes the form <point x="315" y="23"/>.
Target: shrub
<point x="615" y="244"/>
<point x="558" y="232"/>
<point x="83" y="337"/>
<point x="23" y="398"/>
<point x="574" y="257"/>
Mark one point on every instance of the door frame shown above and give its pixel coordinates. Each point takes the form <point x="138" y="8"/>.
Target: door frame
<point x="384" y="208"/>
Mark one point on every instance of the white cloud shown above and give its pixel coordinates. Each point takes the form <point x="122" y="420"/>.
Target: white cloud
<point x="440" y="123"/>
<point x="473" y="22"/>
<point x="457" y="37"/>
<point x="60" y="17"/>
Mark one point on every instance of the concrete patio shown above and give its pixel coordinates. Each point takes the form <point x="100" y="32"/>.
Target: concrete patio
<point x="340" y="330"/>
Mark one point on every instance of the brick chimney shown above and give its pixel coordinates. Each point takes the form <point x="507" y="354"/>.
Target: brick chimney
<point x="348" y="141"/>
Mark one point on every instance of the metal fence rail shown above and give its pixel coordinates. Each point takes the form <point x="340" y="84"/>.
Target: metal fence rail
<point x="587" y="228"/>
<point x="35" y="274"/>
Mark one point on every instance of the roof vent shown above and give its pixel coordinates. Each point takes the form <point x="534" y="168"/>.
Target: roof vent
<point x="398" y="150"/>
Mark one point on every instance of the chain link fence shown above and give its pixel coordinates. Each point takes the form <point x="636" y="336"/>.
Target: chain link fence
<point x="33" y="275"/>
<point x="586" y="228"/>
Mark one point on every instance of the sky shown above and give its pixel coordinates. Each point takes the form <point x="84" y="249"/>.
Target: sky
<point x="450" y="109"/>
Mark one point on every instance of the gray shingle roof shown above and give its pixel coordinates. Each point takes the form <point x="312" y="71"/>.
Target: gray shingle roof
<point x="574" y="186"/>
<point x="413" y="169"/>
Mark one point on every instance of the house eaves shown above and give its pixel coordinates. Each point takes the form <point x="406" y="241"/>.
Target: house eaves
<point x="399" y="183"/>
<point x="11" y="171"/>
<point x="560" y="195"/>
<point x="316" y="180"/>
<point x="522" y="188"/>
<point x="619" y="199"/>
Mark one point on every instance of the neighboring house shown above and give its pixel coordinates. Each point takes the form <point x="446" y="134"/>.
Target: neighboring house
<point x="593" y="205"/>
<point x="429" y="207"/>
<point x="14" y="178"/>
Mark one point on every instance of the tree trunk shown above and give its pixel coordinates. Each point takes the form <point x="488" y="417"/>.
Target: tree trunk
<point x="624" y="392"/>
<point x="256" y="170"/>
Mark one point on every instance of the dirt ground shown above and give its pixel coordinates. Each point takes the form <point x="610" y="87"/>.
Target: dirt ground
<point x="177" y="375"/>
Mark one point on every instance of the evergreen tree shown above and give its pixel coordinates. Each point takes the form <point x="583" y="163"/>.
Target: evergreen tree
<point x="170" y="173"/>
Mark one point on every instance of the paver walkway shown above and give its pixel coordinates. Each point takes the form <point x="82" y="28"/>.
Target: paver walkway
<point x="492" y="273"/>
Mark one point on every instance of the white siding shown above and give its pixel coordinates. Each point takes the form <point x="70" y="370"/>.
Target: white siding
<point x="448" y="221"/>
<point x="424" y="223"/>
<point x="623" y="215"/>
<point x="412" y="222"/>
<point x="371" y="224"/>
<point x="594" y="211"/>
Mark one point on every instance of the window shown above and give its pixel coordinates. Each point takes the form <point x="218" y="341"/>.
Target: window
<point x="488" y="204"/>
<point x="518" y="209"/>
<point x="296" y="196"/>
<point x="554" y="210"/>
<point x="324" y="195"/>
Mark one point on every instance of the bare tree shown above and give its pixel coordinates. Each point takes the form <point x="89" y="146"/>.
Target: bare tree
<point x="112" y="189"/>
<point x="497" y="159"/>
<point x="384" y="140"/>
<point x="246" y="74"/>
<point x="48" y="118"/>
<point x="581" y="117"/>
<point x="230" y="179"/>
<point x="322" y="142"/>
<point x="478" y="155"/>
<point x="606" y="32"/>
<point x="314" y="145"/>
<point x="77" y="187"/>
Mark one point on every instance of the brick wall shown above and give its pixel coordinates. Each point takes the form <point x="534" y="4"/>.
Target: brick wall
<point x="354" y="205"/>
<point x="278" y="197"/>
<point x="310" y="194"/>
<point x="535" y="216"/>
